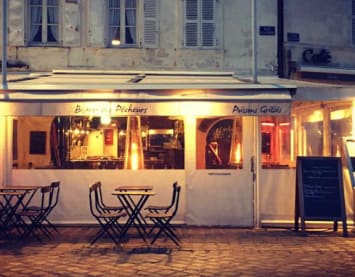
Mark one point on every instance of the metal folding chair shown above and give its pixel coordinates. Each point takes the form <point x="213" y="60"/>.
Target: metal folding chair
<point x="108" y="219"/>
<point x="162" y="221"/>
<point x="55" y="186"/>
<point x="32" y="220"/>
<point x="102" y="204"/>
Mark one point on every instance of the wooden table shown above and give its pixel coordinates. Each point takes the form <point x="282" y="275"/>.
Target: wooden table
<point x="133" y="198"/>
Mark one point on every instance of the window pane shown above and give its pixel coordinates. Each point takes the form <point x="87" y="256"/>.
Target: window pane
<point x="276" y="141"/>
<point x="341" y="126"/>
<point x="219" y="143"/>
<point x="83" y="142"/>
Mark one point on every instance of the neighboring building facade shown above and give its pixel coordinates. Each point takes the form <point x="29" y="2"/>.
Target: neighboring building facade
<point x="178" y="66"/>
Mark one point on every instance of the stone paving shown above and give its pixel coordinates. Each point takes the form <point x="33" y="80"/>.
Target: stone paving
<point x="204" y="252"/>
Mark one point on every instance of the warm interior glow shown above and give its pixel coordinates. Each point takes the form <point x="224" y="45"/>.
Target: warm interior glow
<point x="238" y="154"/>
<point x="339" y="114"/>
<point x="267" y="124"/>
<point x="134" y="156"/>
<point x="116" y="42"/>
<point x="353" y="119"/>
<point x="316" y="116"/>
<point x="105" y="119"/>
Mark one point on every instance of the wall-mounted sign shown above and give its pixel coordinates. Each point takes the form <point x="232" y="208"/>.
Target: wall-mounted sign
<point x="293" y="37"/>
<point x="267" y="30"/>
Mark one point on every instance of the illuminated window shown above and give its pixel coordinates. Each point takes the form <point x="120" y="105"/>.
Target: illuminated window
<point x="124" y="23"/>
<point x="276" y="148"/>
<point x="86" y="142"/>
<point x="219" y="143"/>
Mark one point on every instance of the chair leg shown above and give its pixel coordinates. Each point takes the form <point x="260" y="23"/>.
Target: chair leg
<point x="164" y="226"/>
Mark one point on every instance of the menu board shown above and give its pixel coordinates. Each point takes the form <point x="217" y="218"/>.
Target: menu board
<point x="320" y="194"/>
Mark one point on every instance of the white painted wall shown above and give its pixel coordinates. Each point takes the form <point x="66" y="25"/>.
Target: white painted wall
<point x="73" y="206"/>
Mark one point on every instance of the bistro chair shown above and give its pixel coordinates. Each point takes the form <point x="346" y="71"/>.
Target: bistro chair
<point x="32" y="220"/>
<point x="101" y="203"/>
<point x="108" y="219"/>
<point x="55" y="186"/>
<point x="162" y="221"/>
<point x="164" y="208"/>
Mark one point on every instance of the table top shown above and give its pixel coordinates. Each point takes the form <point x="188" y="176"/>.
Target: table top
<point x="134" y="192"/>
<point x="133" y="187"/>
<point x="11" y="188"/>
<point x="11" y="193"/>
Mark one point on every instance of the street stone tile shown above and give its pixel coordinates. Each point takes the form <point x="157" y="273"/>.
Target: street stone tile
<point x="204" y="252"/>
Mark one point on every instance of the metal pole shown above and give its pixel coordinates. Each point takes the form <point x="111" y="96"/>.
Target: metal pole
<point x="4" y="44"/>
<point x="254" y="46"/>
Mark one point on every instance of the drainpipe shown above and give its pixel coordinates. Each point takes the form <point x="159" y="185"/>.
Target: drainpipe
<point x="280" y="39"/>
<point x="254" y="46"/>
<point x="4" y="44"/>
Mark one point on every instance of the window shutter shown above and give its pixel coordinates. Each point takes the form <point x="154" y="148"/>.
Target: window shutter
<point x="353" y="21"/>
<point x="96" y="16"/>
<point x="191" y="23"/>
<point x="208" y="18"/>
<point x="150" y="12"/>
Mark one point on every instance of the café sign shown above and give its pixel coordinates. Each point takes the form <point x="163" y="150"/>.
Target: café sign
<point x="173" y="108"/>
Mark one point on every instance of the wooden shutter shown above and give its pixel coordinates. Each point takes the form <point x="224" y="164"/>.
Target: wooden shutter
<point x="353" y="21"/>
<point x="150" y="32"/>
<point x="208" y="23"/>
<point x="191" y="23"/>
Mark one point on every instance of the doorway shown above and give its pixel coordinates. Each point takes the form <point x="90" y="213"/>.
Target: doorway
<point x="221" y="171"/>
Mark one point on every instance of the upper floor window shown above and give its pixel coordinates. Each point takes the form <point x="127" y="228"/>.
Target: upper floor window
<point x="43" y="15"/>
<point x="126" y="28"/>
<point x="200" y="23"/>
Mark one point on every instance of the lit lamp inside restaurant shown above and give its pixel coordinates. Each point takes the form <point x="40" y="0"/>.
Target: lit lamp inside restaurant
<point x="134" y="158"/>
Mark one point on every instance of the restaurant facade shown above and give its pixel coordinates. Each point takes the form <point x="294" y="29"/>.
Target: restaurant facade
<point x="154" y="110"/>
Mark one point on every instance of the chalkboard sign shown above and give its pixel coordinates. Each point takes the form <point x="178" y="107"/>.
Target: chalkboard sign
<point x="319" y="194"/>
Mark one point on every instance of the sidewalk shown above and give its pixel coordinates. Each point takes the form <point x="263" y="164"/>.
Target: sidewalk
<point x="204" y="252"/>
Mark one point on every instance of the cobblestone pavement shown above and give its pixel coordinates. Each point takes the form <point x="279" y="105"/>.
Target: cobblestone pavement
<point x="204" y="252"/>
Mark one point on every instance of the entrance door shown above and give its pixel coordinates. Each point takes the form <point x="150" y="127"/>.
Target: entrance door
<point x="220" y="186"/>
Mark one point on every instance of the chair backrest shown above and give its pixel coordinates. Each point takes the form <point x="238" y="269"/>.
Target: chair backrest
<point x="100" y="197"/>
<point x="46" y="198"/>
<point x="55" y="190"/>
<point x="173" y="198"/>
<point x="95" y="208"/>
<point x="177" y="199"/>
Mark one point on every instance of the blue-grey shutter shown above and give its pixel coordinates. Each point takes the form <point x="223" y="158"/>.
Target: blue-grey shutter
<point x="191" y="23"/>
<point x="353" y="22"/>
<point x="71" y="24"/>
<point x="97" y="15"/>
<point x="150" y="32"/>
<point x="208" y="23"/>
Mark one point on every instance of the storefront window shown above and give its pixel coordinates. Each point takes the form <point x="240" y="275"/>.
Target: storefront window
<point x="219" y="143"/>
<point x="322" y="126"/>
<point x="83" y="142"/>
<point x="276" y="148"/>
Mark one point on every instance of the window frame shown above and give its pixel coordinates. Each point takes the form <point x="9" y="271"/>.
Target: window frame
<point x="43" y="24"/>
<point x="202" y="42"/>
<point x="146" y="25"/>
